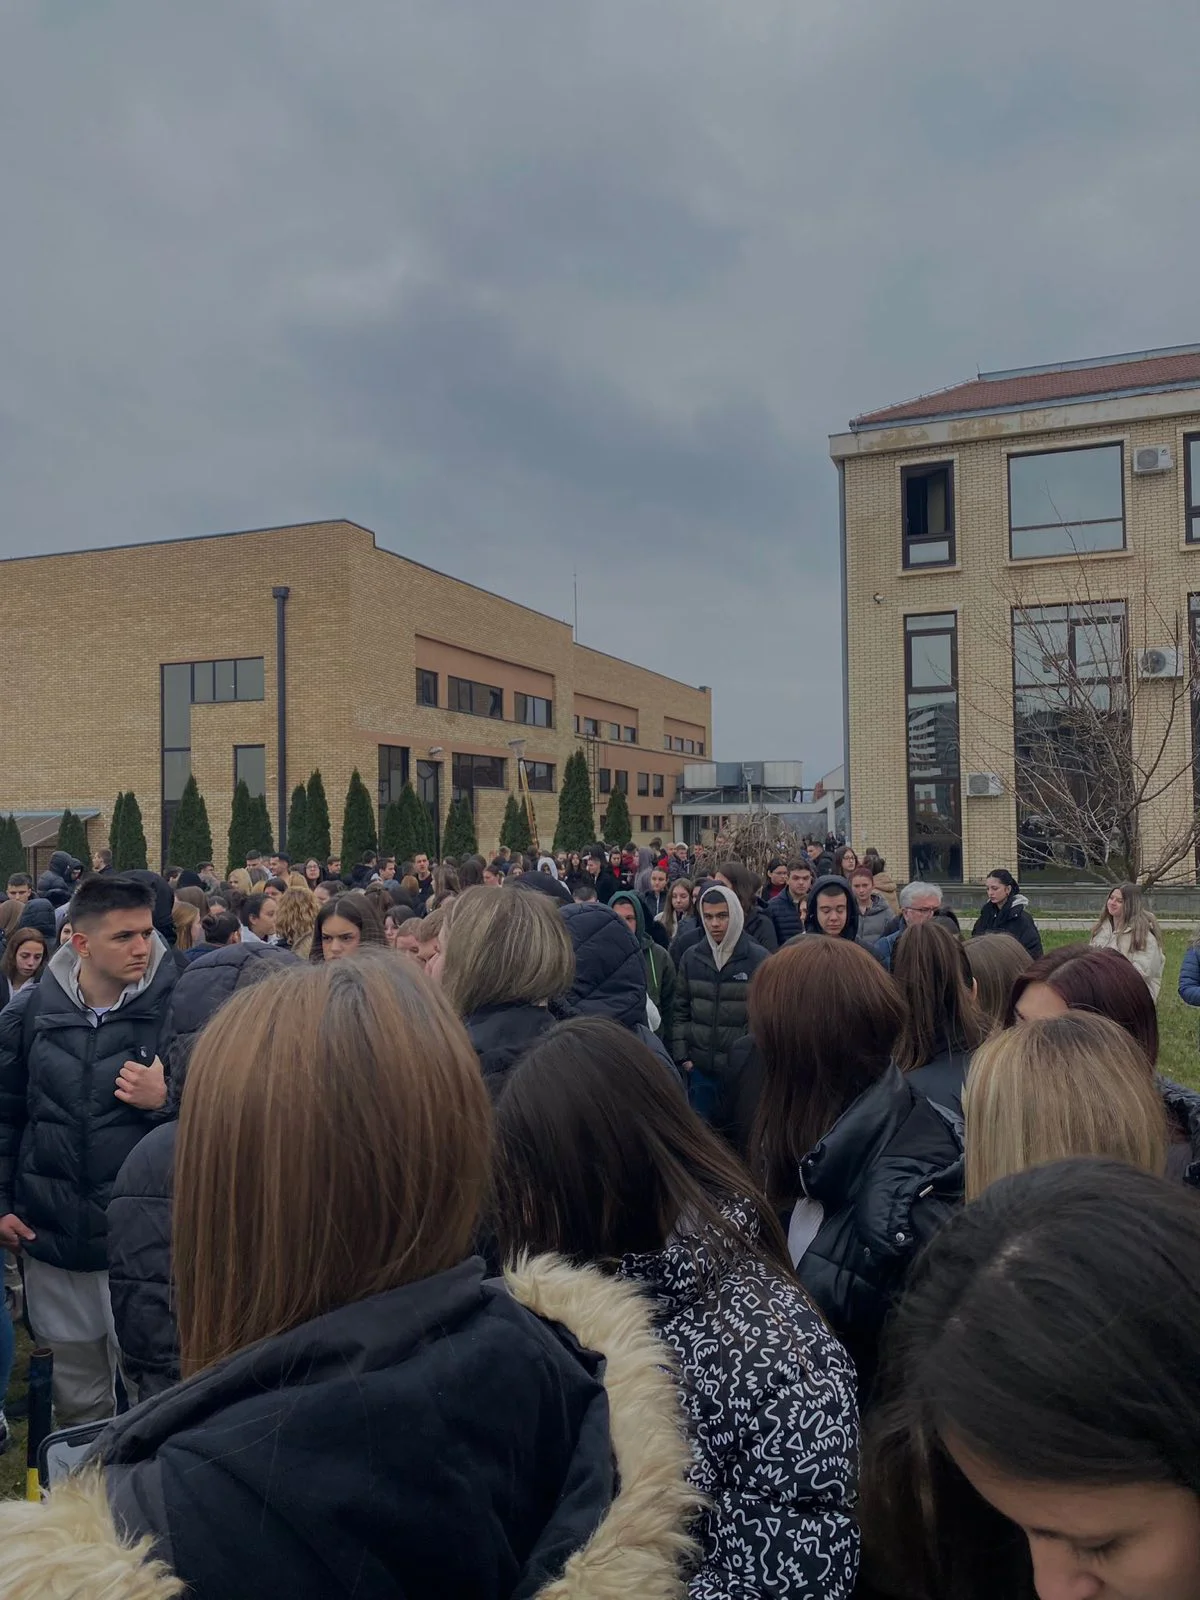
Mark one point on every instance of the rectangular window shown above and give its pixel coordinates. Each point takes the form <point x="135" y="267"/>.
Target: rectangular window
<point x="393" y="773"/>
<point x="591" y="728"/>
<point x="927" y="509"/>
<point x="677" y="745"/>
<point x="644" y="824"/>
<point x="614" y="731"/>
<point x="202" y="682"/>
<point x="1061" y="502"/>
<point x="250" y="681"/>
<point x="540" y="775"/>
<point x="578" y="725"/>
<point x="177" y="769"/>
<point x="1191" y="486"/>
<point x="666" y="741"/>
<point x="622" y="781"/>
<point x="225" y="673"/>
<point x="177" y="706"/>
<point x="931" y="696"/>
<point x="478" y="772"/>
<point x="476" y="699"/>
<point x="533" y="710"/>
<point x="1072" y="730"/>
<point x="658" y="785"/>
<point x="630" y="735"/>
<point x="699" y="747"/>
<point x="689" y="747"/>
<point x="643" y="782"/>
<point x="427" y="687"/>
<point x="250" y="767"/>
<point x="658" y="823"/>
<point x="605" y="777"/>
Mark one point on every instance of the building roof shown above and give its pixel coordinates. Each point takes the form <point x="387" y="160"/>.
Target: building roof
<point x="39" y="827"/>
<point x="1067" y="382"/>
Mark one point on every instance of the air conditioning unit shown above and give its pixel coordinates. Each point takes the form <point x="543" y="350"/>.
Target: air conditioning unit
<point x="1160" y="661"/>
<point x="984" y="785"/>
<point x="1152" y="458"/>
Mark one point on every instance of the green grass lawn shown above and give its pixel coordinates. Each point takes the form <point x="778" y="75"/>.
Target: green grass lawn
<point x="1178" y="1025"/>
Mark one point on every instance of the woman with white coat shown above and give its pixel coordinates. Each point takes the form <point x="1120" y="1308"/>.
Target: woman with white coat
<point x="1128" y="925"/>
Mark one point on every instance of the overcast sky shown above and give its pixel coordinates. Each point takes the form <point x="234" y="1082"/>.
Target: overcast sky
<point x="535" y="285"/>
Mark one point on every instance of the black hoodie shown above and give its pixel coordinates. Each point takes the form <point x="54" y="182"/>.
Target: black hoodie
<point x="812" y="925"/>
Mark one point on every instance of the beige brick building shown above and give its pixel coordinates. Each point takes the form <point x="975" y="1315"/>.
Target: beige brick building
<point x="156" y="660"/>
<point x="1002" y="539"/>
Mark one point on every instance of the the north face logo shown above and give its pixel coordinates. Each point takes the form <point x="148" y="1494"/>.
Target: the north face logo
<point x="740" y="977"/>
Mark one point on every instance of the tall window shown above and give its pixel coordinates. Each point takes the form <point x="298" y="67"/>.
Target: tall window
<point x="183" y="684"/>
<point x="1071" y="728"/>
<point x="1191" y="484"/>
<point x="540" y="775"/>
<point x="477" y="699"/>
<point x="591" y="728"/>
<point x="427" y="687"/>
<point x="605" y="780"/>
<point x="614" y="731"/>
<point x="534" y="710"/>
<point x="629" y="735"/>
<point x="927" y="506"/>
<point x="1064" y="501"/>
<point x="643" y="783"/>
<point x="622" y="781"/>
<point x="934" y="795"/>
<point x="250" y="767"/>
<point x="658" y="785"/>
<point x="393" y="775"/>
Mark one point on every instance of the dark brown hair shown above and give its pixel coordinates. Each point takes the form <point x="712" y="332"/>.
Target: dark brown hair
<point x="355" y="908"/>
<point x="825" y="1017"/>
<point x="996" y="961"/>
<point x="930" y="967"/>
<point x="1103" y="981"/>
<point x="742" y="881"/>
<point x="8" y="962"/>
<point x="598" y="1155"/>
<point x="333" y="1144"/>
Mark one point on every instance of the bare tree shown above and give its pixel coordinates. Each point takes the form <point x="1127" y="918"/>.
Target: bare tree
<point x="1097" y="754"/>
<point x="755" y="838"/>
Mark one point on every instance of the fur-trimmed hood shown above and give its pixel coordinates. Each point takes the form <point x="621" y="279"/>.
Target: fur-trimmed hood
<point x="71" y="1545"/>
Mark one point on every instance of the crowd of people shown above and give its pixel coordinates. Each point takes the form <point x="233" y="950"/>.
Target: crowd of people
<point x="623" y="1223"/>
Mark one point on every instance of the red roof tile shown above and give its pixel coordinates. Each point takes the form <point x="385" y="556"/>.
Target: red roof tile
<point x="1170" y="371"/>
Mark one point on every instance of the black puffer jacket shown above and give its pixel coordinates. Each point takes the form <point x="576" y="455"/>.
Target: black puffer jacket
<point x="610" y="975"/>
<point x="60" y="876"/>
<point x="63" y="1133"/>
<point x="1183" y="1128"/>
<point x="887" y="1175"/>
<point x="1012" y="918"/>
<point x="438" y="1439"/>
<point x="501" y="1034"/>
<point x="139" y="1211"/>
<point x="769" y="1398"/>
<point x="711" y="1013"/>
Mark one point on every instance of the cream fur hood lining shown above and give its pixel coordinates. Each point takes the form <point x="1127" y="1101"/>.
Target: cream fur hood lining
<point x="69" y="1549"/>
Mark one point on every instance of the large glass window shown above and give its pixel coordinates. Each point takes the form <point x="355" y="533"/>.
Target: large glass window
<point x="540" y="775"/>
<point x="931" y="694"/>
<point x="427" y="687"/>
<point x="478" y="772"/>
<point x="476" y="699"/>
<point x="1065" y="501"/>
<point x="534" y="710"/>
<point x="927" y="508"/>
<point x="250" y="767"/>
<point x="1071" y="725"/>
<point x="393" y="774"/>
<point x="1191" y="484"/>
<point x="184" y="684"/>
<point x="643" y="783"/>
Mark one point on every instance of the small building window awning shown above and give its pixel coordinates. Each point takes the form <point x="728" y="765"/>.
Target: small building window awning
<point x="39" y="827"/>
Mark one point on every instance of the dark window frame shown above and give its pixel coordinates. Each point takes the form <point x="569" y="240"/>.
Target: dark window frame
<point x="621" y="780"/>
<point x="521" y="706"/>
<point x="643" y="784"/>
<point x="604" y="780"/>
<point x="1191" y="510"/>
<point x="426" y="676"/>
<point x="660" y="785"/>
<point x="475" y="692"/>
<point x="540" y="776"/>
<point x="495" y="779"/>
<point x="237" y="751"/>
<point x="628" y="734"/>
<point x="918" y="541"/>
<point x="1092" y="522"/>
<point x="941" y="624"/>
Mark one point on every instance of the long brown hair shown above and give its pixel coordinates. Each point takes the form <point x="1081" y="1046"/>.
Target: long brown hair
<point x="825" y="1017"/>
<point x="8" y="962"/>
<point x="930" y="967"/>
<point x="186" y="921"/>
<point x="996" y="961"/>
<point x="598" y="1156"/>
<point x="1137" y="919"/>
<point x="333" y="1144"/>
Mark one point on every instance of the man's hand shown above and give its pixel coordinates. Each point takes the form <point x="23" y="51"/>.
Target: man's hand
<point x="143" y="1087"/>
<point x="13" y="1232"/>
<point x="686" y="1065"/>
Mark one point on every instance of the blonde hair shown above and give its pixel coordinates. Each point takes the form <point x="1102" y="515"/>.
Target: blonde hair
<point x="996" y="961"/>
<point x="333" y="1144"/>
<point x="296" y="915"/>
<point x="1073" y="1085"/>
<point x="297" y="880"/>
<point x="186" y="920"/>
<point x="505" y="948"/>
<point x="239" y="879"/>
<point x="434" y="924"/>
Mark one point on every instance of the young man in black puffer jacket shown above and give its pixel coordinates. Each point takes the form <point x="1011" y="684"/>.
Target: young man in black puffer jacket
<point x="75" y="1052"/>
<point x="712" y="988"/>
<point x="139" y="1212"/>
